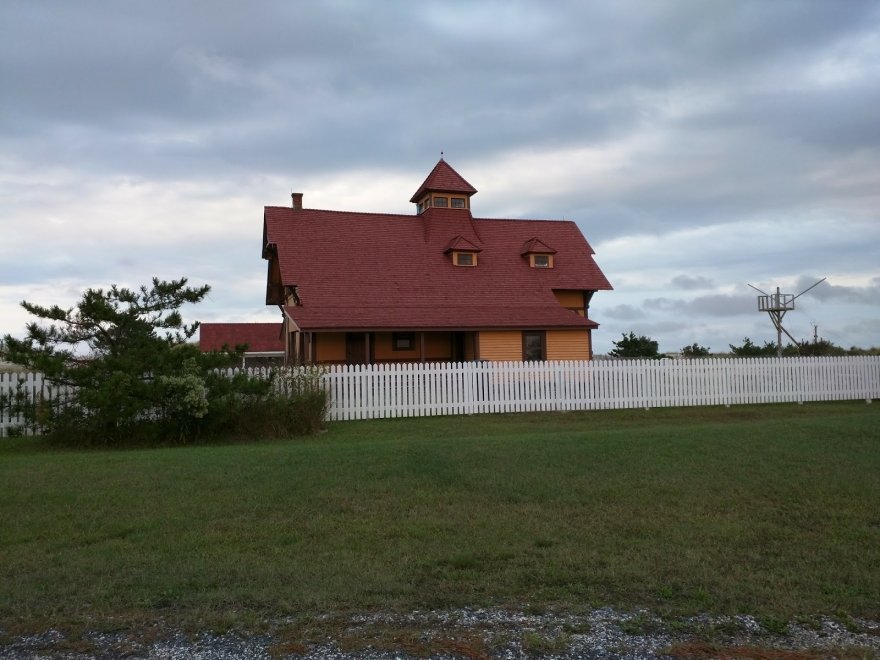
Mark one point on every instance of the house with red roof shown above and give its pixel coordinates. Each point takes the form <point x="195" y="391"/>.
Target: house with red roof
<point x="264" y="341"/>
<point x="438" y="285"/>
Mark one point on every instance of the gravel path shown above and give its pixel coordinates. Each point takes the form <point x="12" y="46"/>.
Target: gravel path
<point x="478" y="633"/>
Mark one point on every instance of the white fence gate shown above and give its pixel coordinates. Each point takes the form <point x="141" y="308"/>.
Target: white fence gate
<point x="409" y="390"/>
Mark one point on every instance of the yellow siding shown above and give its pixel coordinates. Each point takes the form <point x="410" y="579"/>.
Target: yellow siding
<point x="383" y="350"/>
<point x="437" y="347"/>
<point x="500" y="345"/>
<point x="569" y="298"/>
<point x="330" y="347"/>
<point x="568" y="345"/>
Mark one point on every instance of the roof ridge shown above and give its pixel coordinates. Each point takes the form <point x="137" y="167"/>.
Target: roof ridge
<point x="526" y="220"/>
<point x="373" y="213"/>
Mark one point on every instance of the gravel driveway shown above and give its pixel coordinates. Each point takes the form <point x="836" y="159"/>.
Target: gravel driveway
<point x="478" y="633"/>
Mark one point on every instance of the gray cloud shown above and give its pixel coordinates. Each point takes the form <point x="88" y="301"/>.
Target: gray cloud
<point x="688" y="283"/>
<point x="708" y="305"/>
<point x="827" y="291"/>
<point x="623" y="313"/>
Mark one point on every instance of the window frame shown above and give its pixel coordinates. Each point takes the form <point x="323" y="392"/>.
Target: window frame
<point x="457" y="256"/>
<point x="542" y="336"/>
<point x="441" y="202"/>
<point x="401" y="338"/>
<point x="533" y="259"/>
<point x="458" y="203"/>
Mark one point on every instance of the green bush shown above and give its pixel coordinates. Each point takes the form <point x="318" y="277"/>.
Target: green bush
<point x="288" y="402"/>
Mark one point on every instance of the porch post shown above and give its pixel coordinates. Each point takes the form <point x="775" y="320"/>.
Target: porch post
<point x="422" y="346"/>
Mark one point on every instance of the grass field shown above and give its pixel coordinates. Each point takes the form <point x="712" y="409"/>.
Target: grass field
<point x="770" y="510"/>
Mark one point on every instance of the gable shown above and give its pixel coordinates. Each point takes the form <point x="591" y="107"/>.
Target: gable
<point x="536" y="246"/>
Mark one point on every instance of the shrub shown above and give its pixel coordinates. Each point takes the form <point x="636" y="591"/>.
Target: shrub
<point x="135" y="377"/>
<point x="287" y="402"/>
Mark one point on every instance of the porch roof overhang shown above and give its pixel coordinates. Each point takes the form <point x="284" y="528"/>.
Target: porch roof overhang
<point x="428" y="318"/>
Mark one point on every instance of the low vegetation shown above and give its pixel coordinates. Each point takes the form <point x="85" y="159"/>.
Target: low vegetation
<point x="766" y="510"/>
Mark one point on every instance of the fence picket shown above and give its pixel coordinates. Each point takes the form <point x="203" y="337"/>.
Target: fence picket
<point x="407" y="390"/>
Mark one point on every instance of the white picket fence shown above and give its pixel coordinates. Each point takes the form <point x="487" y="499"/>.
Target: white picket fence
<point x="30" y="384"/>
<point x="410" y="390"/>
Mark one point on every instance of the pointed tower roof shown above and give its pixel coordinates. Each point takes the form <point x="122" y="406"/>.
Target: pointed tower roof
<point x="444" y="179"/>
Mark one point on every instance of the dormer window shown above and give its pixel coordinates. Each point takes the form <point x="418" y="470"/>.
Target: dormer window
<point x="464" y="258"/>
<point x="462" y="252"/>
<point x="541" y="260"/>
<point x="442" y="202"/>
<point x="538" y="253"/>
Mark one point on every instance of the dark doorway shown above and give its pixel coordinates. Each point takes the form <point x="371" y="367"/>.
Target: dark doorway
<point x="458" y="346"/>
<point x="355" y="348"/>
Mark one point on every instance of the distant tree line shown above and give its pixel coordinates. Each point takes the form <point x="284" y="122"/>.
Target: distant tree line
<point x="821" y="347"/>
<point x="640" y="346"/>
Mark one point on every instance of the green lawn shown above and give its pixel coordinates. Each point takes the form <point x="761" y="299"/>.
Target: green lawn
<point x="768" y="510"/>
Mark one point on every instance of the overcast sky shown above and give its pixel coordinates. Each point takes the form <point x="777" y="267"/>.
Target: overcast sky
<point x="700" y="145"/>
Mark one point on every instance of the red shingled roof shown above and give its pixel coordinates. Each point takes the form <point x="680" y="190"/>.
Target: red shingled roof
<point x="259" y="337"/>
<point x="364" y="271"/>
<point x="444" y="179"/>
<point x="537" y="246"/>
<point x="461" y="244"/>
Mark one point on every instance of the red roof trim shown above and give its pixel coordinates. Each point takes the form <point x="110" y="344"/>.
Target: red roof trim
<point x="386" y="318"/>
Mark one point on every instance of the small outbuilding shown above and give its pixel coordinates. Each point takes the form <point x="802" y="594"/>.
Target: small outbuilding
<point x="264" y="341"/>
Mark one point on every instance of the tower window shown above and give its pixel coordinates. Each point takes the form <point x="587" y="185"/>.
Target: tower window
<point x="441" y="201"/>
<point x="458" y="202"/>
